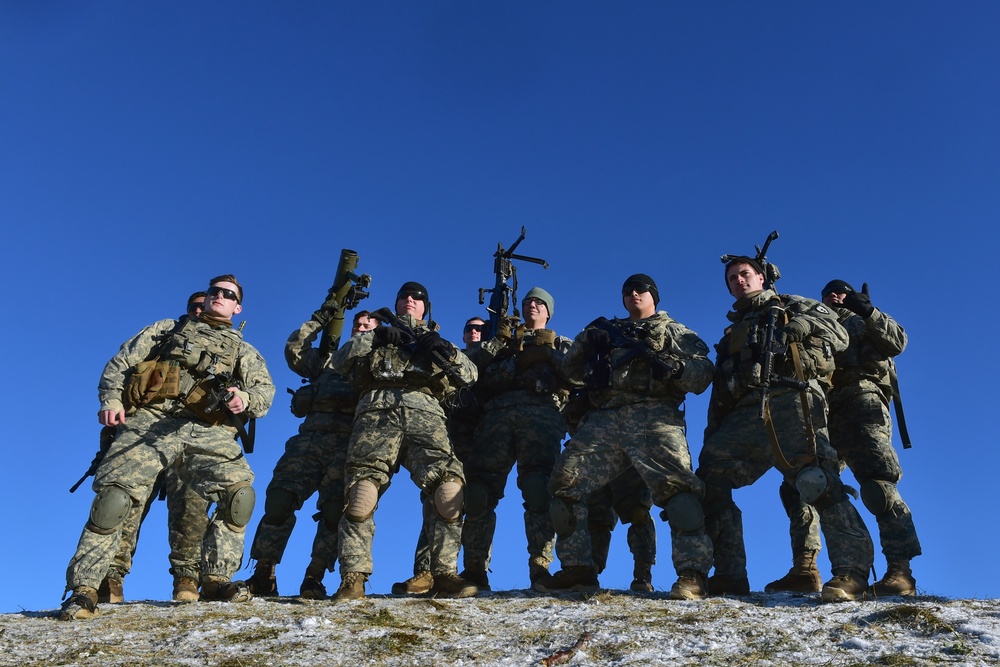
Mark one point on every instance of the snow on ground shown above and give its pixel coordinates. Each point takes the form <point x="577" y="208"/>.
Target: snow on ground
<point x="514" y="628"/>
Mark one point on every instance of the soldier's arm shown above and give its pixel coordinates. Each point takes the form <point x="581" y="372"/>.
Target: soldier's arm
<point x="256" y="391"/>
<point x="467" y="369"/>
<point x="819" y="321"/>
<point x="357" y="347"/>
<point x="302" y="358"/>
<point x="575" y="360"/>
<point x="885" y="333"/>
<point x="135" y="349"/>
<point x="684" y="344"/>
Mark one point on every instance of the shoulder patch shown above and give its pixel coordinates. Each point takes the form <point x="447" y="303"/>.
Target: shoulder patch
<point x="700" y="344"/>
<point x="823" y="309"/>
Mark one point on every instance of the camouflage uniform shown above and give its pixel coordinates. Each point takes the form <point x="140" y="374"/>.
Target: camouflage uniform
<point x="738" y="449"/>
<point x="314" y="459"/>
<point x="638" y="422"/>
<point x="522" y="394"/>
<point x="625" y="498"/>
<point x="400" y="421"/>
<point x="861" y="433"/>
<point x="159" y="433"/>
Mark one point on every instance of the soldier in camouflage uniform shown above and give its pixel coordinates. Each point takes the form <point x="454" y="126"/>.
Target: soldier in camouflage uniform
<point x="464" y="413"/>
<point x="641" y="369"/>
<point x="166" y="380"/>
<point x="740" y="446"/>
<point x="861" y="432"/>
<point x="313" y="461"/>
<point x="522" y="394"/>
<point x="403" y="380"/>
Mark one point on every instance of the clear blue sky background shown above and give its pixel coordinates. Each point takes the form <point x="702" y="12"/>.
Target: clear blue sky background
<point x="145" y="147"/>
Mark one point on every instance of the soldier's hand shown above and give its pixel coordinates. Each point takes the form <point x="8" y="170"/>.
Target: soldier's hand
<point x="596" y="339"/>
<point x="387" y="336"/>
<point x="235" y="404"/>
<point x="506" y="328"/>
<point x="794" y="332"/>
<point x="859" y="302"/>
<point x="432" y="342"/>
<point x="111" y="417"/>
<point x="670" y="369"/>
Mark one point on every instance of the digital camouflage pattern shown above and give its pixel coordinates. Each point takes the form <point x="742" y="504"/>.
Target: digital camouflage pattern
<point x="638" y="422"/>
<point x="624" y="498"/>
<point x="738" y="449"/>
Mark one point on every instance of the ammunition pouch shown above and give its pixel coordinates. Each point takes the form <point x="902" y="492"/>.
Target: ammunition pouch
<point x="324" y="396"/>
<point x="151" y="381"/>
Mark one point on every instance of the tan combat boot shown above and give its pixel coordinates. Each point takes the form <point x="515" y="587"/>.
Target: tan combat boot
<point x="263" y="582"/>
<point x="219" y="589"/>
<point x="845" y="587"/>
<point x="352" y="586"/>
<point x="642" y="578"/>
<point x="450" y="585"/>
<point x="186" y="590"/>
<point x="538" y="568"/>
<point x="418" y="584"/>
<point x="81" y="605"/>
<point x="690" y="585"/>
<point x="312" y="587"/>
<point x="803" y="577"/>
<point x="111" y="591"/>
<point x="725" y="584"/>
<point x="898" y="580"/>
<point x="570" y="579"/>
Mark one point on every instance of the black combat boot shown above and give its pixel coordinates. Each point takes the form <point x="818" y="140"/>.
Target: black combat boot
<point x="262" y="582"/>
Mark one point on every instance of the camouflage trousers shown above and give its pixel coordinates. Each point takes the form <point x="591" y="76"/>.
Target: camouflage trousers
<point x="313" y="461"/>
<point x="739" y="452"/>
<point x="627" y="498"/>
<point x="861" y="433"/>
<point x="648" y="436"/>
<point x="381" y="441"/>
<point x="530" y="436"/>
<point x="147" y="444"/>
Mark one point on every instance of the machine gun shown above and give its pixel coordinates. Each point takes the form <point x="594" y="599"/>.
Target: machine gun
<point x="450" y="368"/>
<point x="633" y="340"/>
<point x="771" y="273"/>
<point x="770" y="346"/>
<point x="346" y="293"/>
<point x="503" y="295"/>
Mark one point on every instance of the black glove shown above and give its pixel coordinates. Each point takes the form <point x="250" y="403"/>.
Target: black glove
<point x="793" y="332"/>
<point x="596" y="339"/>
<point x="387" y="336"/>
<point x="859" y="302"/>
<point x="432" y="342"/>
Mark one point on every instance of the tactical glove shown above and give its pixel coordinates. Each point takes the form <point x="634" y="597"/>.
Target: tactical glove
<point x="323" y="316"/>
<point x="506" y="328"/>
<point x="794" y="331"/>
<point x="387" y="336"/>
<point x="859" y="302"/>
<point x="596" y="339"/>
<point x="432" y="342"/>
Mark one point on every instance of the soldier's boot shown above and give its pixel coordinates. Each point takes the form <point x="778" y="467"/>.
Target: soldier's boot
<point x="312" y="587"/>
<point x="220" y="589"/>
<point x="451" y="585"/>
<point x="186" y="590"/>
<point x="478" y="577"/>
<point x="803" y="577"/>
<point x="418" y="584"/>
<point x="262" y="582"/>
<point x="110" y="590"/>
<point x="690" y="585"/>
<point x="82" y="604"/>
<point x="844" y="587"/>
<point x="352" y="586"/>
<point x="898" y="580"/>
<point x="642" y="578"/>
<point x="725" y="584"/>
<point x="537" y="569"/>
<point x="570" y="579"/>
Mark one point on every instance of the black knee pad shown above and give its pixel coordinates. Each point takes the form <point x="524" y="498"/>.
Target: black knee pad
<point x="685" y="513"/>
<point x="563" y="518"/>
<point x="478" y="500"/>
<point x="279" y="505"/>
<point x="535" y="490"/>
<point x="878" y="495"/>
<point x="790" y="497"/>
<point x="330" y="512"/>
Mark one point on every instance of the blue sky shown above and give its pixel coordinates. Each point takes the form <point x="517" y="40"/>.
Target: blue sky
<point x="145" y="147"/>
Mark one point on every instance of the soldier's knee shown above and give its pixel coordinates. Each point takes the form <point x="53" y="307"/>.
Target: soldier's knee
<point x="535" y="491"/>
<point x="818" y="489"/>
<point x="478" y="500"/>
<point x="878" y="495"/>
<point x="717" y="499"/>
<point x="108" y="511"/>
<point x="362" y="499"/>
<point x="237" y="504"/>
<point x="449" y="499"/>
<point x="279" y="505"/>
<point x="790" y="497"/>
<point x="563" y="517"/>
<point x="684" y="513"/>
<point x="330" y="512"/>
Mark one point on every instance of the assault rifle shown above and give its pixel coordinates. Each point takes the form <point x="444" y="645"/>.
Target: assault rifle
<point x="633" y="340"/>
<point x="346" y="293"/>
<point x="107" y="437"/>
<point x="450" y="368"/>
<point x="217" y="400"/>
<point x="770" y="346"/>
<point x="771" y="273"/>
<point x="503" y="295"/>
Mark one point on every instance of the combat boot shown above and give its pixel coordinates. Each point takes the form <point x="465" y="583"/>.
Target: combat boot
<point x="111" y="591"/>
<point x="418" y="584"/>
<point x="725" y="584"/>
<point x="537" y="569"/>
<point x="477" y="577"/>
<point x="312" y="587"/>
<point x="898" y="580"/>
<point x="642" y="578"/>
<point x="570" y="579"/>
<point x="803" y="577"/>
<point x="82" y="604"/>
<point x="844" y="587"/>
<point x="262" y="582"/>
<point x="451" y="585"/>
<point x="218" y="589"/>
<point x="186" y="590"/>
<point x="690" y="585"/>
<point x="352" y="586"/>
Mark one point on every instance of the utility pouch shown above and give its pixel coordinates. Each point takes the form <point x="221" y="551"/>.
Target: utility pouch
<point x="203" y="403"/>
<point x="150" y="381"/>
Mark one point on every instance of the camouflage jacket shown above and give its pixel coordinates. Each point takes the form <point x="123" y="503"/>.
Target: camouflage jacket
<point x="865" y="365"/>
<point x="328" y="398"/>
<point x="638" y="380"/>
<point x="525" y="370"/>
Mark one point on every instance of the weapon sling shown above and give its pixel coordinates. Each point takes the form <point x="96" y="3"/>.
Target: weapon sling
<point x="779" y="456"/>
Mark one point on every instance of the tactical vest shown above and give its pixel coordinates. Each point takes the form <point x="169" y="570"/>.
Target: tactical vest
<point x="391" y="367"/>
<point x="638" y="375"/>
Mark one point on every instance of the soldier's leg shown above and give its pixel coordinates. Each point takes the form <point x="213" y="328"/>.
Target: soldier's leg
<point x="187" y="523"/>
<point x="539" y="434"/>
<point x="633" y="502"/>
<point x="489" y="464"/>
<point x="803" y="576"/>
<point x="601" y="521"/>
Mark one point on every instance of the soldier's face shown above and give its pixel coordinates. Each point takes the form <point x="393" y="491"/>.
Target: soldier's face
<point x="219" y="305"/>
<point x="407" y="305"/>
<point x="364" y="323"/>
<point x="639" y="305"/>
<point x="834" y="299"/>
<point x="473" y="332"/>
<point x="536" y="313"/>
<point x="196" y="307"/>
<point x="743" y="279"/>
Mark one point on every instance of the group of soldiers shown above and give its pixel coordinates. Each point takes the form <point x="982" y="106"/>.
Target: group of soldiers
<point x="799" y="385"/>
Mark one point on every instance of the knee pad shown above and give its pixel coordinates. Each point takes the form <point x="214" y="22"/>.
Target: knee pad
<point x="563" y="519"/>
<point x="362" y="500"/>
<point x="535" y="490"/>
<point x="279" y="505"/>
<point x="109" y="509"/>
<point x="684" y="512"/>
<point x="477" y="500"/>
<point x="811" y="483"/>
<point x="449" y="497"/>
<point x="330" y="512"/>
<point x="878" y="496"/>
<point x="717" y="499"/>
<point x="238" y="504"/>
<point x="790" y="497"/>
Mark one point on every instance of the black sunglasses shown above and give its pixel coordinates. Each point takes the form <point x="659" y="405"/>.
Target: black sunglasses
<point x="639" y="288"/>
<point x="200" y="305"/>
<point x="226" y="293"/>
<point x="475" y="327"/>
